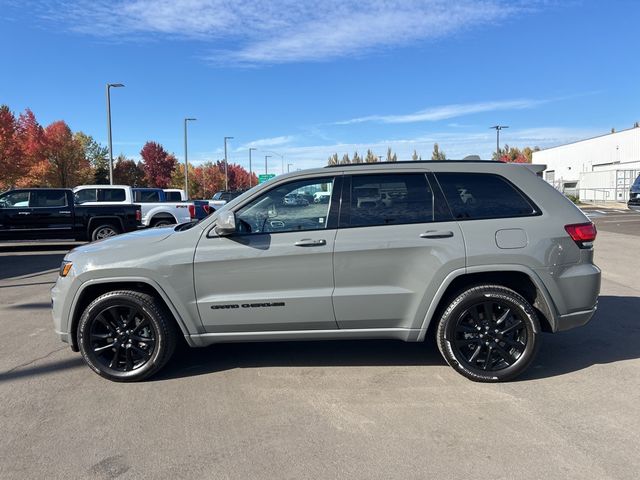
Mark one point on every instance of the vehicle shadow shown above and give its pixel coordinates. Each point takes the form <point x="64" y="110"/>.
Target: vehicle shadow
<point x="612" y="336"/>
<point x="29" y="265"/>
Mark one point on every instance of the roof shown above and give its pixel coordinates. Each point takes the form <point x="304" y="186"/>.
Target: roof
<point x="412" y="162"/>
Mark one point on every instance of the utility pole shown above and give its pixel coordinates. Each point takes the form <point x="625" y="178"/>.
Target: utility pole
<point x="109" y="85"/>
<point x="497" y="129"/>
<point x="186" y="161"/>
<point x="226" y="172"/>
<point x="250" y="169"/>
<point x="266" y="170"/>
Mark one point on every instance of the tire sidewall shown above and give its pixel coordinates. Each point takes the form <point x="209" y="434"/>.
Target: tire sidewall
<point x="94" y="233"/>
<point x="514" y="301"/>
<point x="84" y="342"/>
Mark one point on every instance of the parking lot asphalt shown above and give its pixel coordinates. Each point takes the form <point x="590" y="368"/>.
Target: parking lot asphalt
<point x="369" y="409"/>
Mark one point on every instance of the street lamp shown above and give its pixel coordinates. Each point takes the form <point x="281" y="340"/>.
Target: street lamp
<point x="186" y="161"/>
<point x="226" y="173"/>
<point x="289" y="165"/>
<point x="250" y="169"/>
<point x="109" y="85"/>
<point x="498" y="128"/>
<point x="266" y="157"/>
<point x="281" y="158"/>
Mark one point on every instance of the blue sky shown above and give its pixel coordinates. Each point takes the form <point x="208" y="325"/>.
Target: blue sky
<point x="308" y="78"/>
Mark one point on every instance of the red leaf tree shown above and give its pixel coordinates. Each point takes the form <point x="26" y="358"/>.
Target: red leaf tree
<point x="10" y="155"/>
<point x="158" y="164"/>
<point x="68" y="166"/>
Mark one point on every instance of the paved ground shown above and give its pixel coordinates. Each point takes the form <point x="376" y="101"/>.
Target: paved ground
<point x="324" y="409"/>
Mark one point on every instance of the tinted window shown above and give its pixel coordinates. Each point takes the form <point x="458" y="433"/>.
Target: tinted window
<point x="287" y="208"/>
<point x="85" y="195"/>
<point x="112" y="195"/>
<point x="149" y="196"/>
<point x="388" y="199"/>
<point x="478" y="195"/>
<point x="49" y="198"/>
<point x="14" y="200"/>
<point x="173" y="196"/>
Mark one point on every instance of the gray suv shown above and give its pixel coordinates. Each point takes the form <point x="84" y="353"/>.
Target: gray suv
<point x="483" y="256"/>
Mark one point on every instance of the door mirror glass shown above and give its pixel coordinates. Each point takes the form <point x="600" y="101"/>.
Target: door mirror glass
<point x="226" y="224"/>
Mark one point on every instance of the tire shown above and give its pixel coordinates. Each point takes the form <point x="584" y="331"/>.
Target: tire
<point x="162" y="222"/>
<point x="103" y="231"/>
<point x="124" y="346"/>
<point x="489" y="333"/>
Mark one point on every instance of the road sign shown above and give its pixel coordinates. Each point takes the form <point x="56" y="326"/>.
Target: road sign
<point x="265" y="176"/>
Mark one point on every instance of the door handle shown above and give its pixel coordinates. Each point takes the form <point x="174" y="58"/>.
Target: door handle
<point x="24" y="213"/>
<point x="65" y="212"/>
<point x="436" y="234"/>
<point x="307" y="242"/>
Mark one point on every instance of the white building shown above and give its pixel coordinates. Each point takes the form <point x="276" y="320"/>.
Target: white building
<point x="598" y="168"/>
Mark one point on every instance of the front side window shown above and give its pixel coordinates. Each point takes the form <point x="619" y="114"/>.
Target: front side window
<point x="85" y="195"/>
<point x="388" y="199"/>
<point x="14" y="200"/>
<point x="482" y="195"/>
<point x="287" y="208"/>
<point x="112" y="195"/>
<point x="49" y="198"/>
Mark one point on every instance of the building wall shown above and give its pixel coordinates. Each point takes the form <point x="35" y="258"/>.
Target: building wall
<point x="620" y="150"/>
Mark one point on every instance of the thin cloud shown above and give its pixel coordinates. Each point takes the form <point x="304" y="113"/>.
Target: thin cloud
<point x="257" y="32"/>
<point x="269" y="142"/>
<point x="443" y="112"/>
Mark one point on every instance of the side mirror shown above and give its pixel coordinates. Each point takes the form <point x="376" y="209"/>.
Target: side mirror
<point x="226" y="224"/>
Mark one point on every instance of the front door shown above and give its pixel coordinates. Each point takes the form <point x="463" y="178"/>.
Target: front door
<point x="15" y="213"/>
<point x="396" y="244"/>
<point x="276" y="272"/>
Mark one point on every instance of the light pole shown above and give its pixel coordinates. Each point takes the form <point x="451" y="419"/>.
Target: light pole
<point x="281" y="158"/>
<point x="226" y="173"/>
<point x="266" y="157"/>
<point x="186" y="161"/>
<point x="288" y="167"/>
<point x="109" y="85"/>
<point x="498" y="128"/>
<point x="250" y="169"/>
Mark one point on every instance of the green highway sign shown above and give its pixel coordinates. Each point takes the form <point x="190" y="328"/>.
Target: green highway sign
<point x="265" y="176"/>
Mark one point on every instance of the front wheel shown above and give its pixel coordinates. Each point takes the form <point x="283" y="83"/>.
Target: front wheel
<point x="489" y="333"/>
<point x="126" y="336"/>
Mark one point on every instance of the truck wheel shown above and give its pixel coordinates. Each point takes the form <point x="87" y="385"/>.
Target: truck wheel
<point x="163" y="222"/>
<point x="126" y="336"/>
<point x="104" y="231"/>
<point x="489" y="333"/>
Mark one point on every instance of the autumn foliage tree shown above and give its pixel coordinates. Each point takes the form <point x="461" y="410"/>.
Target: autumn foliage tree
<point x="128" y="172"/>
<point x="515" y="155"/>
<point x="10" y="155"/>
<point x="158" y="165"/>
<point x="68" y="166"/>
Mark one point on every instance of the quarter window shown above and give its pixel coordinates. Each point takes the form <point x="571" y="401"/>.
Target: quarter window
<point x="389" y="199"/>
<point x="479" y="195"/>
<point x="291" y="207"/>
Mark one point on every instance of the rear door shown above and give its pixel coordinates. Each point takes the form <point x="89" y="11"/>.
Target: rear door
<point x="276" y="272"/>
<point x="51" y="211"/>
<point x="395" y="245"/>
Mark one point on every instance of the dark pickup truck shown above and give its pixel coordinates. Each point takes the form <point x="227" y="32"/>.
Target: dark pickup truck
<point x="35" y="213"/>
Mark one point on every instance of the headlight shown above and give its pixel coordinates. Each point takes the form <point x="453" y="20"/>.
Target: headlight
<point x="65" y="268"/>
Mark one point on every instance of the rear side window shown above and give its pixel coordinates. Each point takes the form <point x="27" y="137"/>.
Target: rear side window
<point x="389" y="199"/>
<point x="112" y="195"/>
<point x="479" y="195"/>
<point x="49" y="198"/>
<point x="173" y="196"/>
<point x="147" y="196"/>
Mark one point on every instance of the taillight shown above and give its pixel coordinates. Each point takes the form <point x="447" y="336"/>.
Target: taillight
<point x="207" y="209"/>
<point x="138" y="215"/>
<point x="192" y="211"/>
<point x="582" y="233"/>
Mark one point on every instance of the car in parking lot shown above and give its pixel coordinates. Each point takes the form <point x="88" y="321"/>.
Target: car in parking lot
<point x="483" y="256"/>
<point x="37" y="213"/>
<point x="219" y="199"/>
<point x="634" y="195"/>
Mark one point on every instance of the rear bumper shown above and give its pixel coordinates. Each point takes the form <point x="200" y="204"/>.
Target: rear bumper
<point x="573" y="320"/>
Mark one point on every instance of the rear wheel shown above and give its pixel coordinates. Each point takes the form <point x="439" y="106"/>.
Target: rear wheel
<point x="126" y="336"/>
<point x="489" y="333"/>
<point x="104" y="231"/>
<point x="162" y="222"/>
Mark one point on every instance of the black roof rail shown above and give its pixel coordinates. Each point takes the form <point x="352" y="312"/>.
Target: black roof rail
<point x="412" y="162"/>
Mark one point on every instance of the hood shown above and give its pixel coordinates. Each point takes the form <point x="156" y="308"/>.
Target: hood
<point x="147" y="236"/>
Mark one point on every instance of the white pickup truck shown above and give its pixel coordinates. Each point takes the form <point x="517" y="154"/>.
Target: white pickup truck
<point x="156" y="210"/>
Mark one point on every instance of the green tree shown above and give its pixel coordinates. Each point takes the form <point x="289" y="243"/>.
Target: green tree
<point x="97" y="155"/>
<point x="437" y="154"/>
<point x="370" y="158"/>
